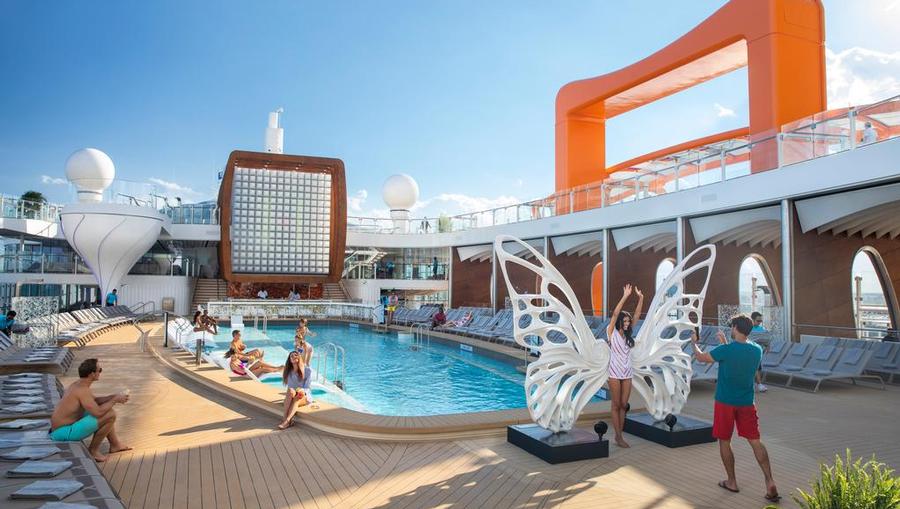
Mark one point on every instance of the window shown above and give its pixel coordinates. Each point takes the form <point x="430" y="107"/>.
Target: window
<point x="663" y="270"/>
<point x="755" y="291"/>
<point x="871" y="312"/>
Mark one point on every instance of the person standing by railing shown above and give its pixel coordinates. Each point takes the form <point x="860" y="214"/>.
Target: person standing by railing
<point x="112" y="298"/>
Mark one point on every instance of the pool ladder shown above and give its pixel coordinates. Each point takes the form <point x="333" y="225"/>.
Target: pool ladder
<point x="265" y="322"/>
<point x="331" y="356"/>
<point x="420" y="340"/>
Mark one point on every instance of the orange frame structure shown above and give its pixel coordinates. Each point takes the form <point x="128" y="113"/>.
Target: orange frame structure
<point x="780" y="41"/>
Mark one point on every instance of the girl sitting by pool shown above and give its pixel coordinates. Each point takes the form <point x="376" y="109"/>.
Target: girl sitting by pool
<point x="241" y="367"/>
<point x="295" y="376"/>
<point x="199" y="324"/>
<point x="302" y="347"/>
<point x="238" y="347"/>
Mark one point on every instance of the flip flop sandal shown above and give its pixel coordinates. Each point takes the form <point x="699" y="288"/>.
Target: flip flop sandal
<point x="773" y="497"/>
<point x="725" y="487"/>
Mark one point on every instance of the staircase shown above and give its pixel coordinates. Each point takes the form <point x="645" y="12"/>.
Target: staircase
<point x="335" y="292"/>
<point x="208" y="289"/>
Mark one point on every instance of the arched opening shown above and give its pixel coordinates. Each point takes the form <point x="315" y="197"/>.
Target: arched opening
<point x="872" y="299"/>
<point x="756" y="286"/>
<point x="663" y="270"/>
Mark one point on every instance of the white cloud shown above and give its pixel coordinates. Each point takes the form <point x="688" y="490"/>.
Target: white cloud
<point x="53" y="181"/>
<point x="457" y="203"/>
<point x="173" y="189"/>
<point x="722" y="111"/>
<point x="860" y="76"/>
<point x="355" y="202"/>
<point x="891" y="6"/>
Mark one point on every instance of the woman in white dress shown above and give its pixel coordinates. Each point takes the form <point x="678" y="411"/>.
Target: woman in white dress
<point x="621" y="341"/>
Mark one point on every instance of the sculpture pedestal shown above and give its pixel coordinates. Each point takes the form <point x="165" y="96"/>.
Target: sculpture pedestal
<point x="687" y="431"/>
<point x="563" y="447"/>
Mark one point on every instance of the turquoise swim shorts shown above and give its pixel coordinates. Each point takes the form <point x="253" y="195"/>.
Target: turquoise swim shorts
<point x="77" y="431"/>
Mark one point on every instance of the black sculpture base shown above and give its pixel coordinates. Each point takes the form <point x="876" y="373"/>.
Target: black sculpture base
<point x="687" y="431"/>
<point x="563" y="447"/>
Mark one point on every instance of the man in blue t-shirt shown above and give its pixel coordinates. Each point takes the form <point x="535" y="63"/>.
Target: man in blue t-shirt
<point x="738" y="362"/>
<point x="112" y="298"/>
<point x="7" y="322"/>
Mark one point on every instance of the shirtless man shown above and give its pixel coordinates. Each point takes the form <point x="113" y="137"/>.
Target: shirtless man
<point x="80" y="413"/>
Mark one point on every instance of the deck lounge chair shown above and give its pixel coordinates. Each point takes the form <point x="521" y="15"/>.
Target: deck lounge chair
<point x="773" y="356"/>
<point x="237" y="322"/>
<point x="885" y="361"/>
<point x="850" y="366"/>
<point x="823" y="359"/>
<point x="793" y="361"/>
<point x="47" y="359"/>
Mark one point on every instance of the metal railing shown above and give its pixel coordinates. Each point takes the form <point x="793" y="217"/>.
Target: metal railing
<point x="274" y="309"/>
<point x="17" y="208"/>
<point x="817" y="136"/>
<point x="333" y="356"/>
<point x="420" y="339"/>
<point x="71" y="263"/>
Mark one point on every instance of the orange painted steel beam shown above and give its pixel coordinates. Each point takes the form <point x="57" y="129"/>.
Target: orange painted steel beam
<point x="681" y="147"/>
<point x="780" y="41"/>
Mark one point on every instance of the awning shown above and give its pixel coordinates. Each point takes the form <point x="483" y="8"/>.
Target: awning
<point x="582" y="244"/>
<point x="483" y="252"/>
<point x="651" y="237"/>
<point x="756" y="227"/>
<point x="874" y="211"/>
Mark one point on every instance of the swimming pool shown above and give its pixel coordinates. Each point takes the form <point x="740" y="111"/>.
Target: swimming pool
<point x="385" y="376"/>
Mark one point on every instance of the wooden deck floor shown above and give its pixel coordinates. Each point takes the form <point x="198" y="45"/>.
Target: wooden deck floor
<point x="194" y="448"/>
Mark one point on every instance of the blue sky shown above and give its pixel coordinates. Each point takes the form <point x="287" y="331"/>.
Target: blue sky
<point x="459" y="94"/>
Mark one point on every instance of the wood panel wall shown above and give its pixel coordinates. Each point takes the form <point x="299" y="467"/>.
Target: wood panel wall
<point x="577" y="270"/>
<point x="635" y="267"/>
<point x="471" y="285"/>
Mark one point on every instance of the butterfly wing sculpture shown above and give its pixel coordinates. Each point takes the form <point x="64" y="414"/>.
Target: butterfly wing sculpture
<point x="572" y="365"/>
<point x="662" y="370"/>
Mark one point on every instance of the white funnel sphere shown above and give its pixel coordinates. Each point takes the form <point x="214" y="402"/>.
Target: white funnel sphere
<point x="400" y="192"/>
<point x="91" y="171"/>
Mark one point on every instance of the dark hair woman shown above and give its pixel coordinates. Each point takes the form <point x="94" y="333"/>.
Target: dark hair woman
<point x="294" y="377"/>
<point x="621" y="340"/>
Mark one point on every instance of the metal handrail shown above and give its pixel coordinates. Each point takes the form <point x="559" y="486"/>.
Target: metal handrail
<point x="420" y="340"/>
<point x="338" y="365"/>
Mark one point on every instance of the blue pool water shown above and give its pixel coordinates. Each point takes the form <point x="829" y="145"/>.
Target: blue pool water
<point x="385" y="376"/>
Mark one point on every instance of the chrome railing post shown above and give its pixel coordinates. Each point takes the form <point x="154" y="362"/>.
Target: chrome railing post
<point x="779" y="145"/>
<point x="852" y="117"/>
<point x="677" y="178"/>
<point x="722" y="158"/>
<point x="603" y="191"/>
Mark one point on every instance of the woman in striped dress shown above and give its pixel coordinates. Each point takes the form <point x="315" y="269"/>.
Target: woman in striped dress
<point x="621" y="341"/>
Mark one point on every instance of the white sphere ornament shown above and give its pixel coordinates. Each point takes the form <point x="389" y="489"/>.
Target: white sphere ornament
<point x="400" y="192"/>
<point x="91" y="171"/>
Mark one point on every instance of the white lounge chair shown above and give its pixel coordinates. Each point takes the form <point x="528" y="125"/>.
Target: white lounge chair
<point x="237" y="322"/>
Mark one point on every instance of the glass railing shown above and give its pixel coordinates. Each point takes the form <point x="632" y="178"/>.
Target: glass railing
<point x="194" y="213"/>
<point x="808" y="138"/>
<point x="27" y="263"/>
<point x="17" y="208"/>
<point x="405" y="271"/>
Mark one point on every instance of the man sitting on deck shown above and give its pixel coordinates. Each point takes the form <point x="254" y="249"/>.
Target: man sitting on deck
<point x="80" y="413"/>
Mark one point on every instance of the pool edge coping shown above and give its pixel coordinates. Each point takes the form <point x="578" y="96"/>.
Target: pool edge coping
<point x="343" y="422"/>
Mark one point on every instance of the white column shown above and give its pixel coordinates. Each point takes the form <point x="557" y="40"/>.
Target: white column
<point x="493" y="282"/>
<point x="787" y="267"/>
<point x="679" y="239"/>
<point x="606" y="237"/>
<point x="450" y="277"/>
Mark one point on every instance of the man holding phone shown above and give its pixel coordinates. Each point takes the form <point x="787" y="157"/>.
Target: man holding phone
<point x="734" y="406"/>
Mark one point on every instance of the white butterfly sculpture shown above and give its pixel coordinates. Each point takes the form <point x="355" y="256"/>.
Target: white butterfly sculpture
<point x="573" y="365"/>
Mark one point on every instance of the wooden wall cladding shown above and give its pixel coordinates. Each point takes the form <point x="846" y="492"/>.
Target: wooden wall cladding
<point x="823" y="278"/>
<point x="577" y="270"/>
<point x="725" y="280"/>
<point x="283" y="162"/>
<point x="637" y="268"/>
<point x="471" y="282"/>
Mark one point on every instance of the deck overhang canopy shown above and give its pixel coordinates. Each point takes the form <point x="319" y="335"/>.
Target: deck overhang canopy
<point x="483" y="252"/>
<point x="652" y="237"/>
<point x="755" y="227"/>
<point x="590" y="244"/>
<point x="874" y="211"/>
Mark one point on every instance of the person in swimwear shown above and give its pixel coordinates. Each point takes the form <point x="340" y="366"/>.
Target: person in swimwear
<point x="199" y="324"/>
<point x="79" y="414"/>
<point x="621" y="341"/>
<point x="240" y="366"/>
<point x="238" y="347"/>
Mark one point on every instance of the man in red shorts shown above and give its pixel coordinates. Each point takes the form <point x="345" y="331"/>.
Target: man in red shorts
<point x="738" y="362"/>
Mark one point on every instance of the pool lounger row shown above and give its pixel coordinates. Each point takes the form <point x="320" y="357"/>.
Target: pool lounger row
<point x="82" y="325"/>
<point x="50" y="359"/>
<point x="801" y="362"/>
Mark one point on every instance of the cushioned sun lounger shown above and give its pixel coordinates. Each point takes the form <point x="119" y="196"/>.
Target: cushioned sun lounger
<point x="885" y="361"/>
<point x="850" y="366"/>
<point x="794" y="360"/>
